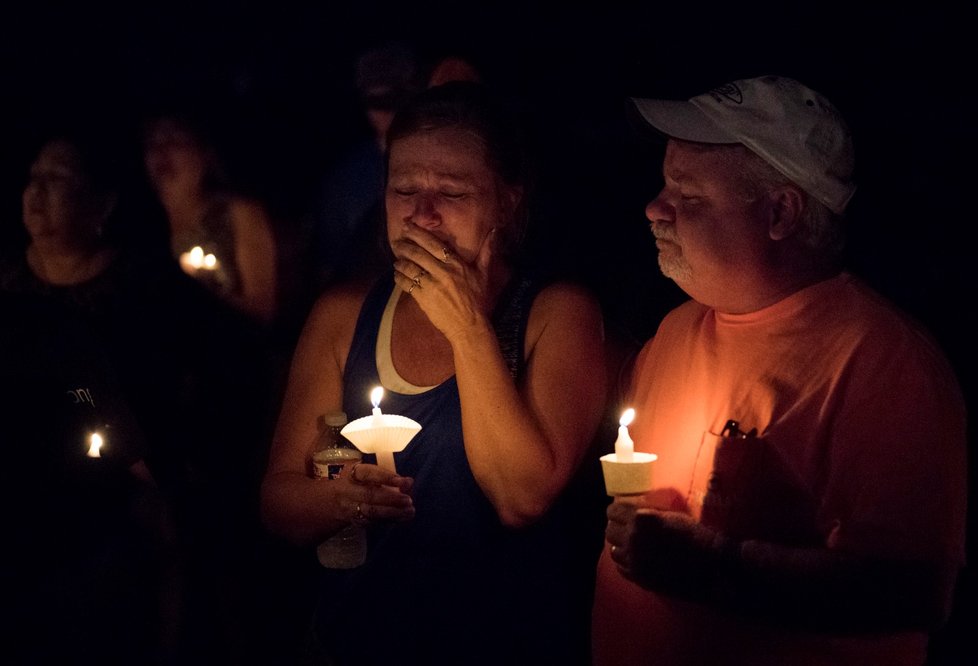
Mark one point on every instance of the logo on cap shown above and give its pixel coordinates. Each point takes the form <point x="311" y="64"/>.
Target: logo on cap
<point x="730" y="91"/>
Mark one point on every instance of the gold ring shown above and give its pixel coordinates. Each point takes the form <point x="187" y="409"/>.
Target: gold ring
<point x="411" y="288"/>
<point x="359" y="515"/>
<point x="446" y="254"/>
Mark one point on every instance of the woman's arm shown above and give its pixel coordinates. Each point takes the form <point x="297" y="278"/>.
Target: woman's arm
<point x="256" y="257"/>
<point x="523" y="442"/>
<point x="294" y="505"/>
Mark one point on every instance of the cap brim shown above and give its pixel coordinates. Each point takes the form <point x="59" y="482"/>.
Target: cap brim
<point x="681" y="120"/>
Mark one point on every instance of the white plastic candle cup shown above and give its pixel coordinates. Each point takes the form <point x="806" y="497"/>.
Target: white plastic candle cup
<point x="628" y="478"/>
<point x="384" y="440"/>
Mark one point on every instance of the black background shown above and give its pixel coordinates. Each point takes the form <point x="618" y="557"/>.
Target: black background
<point x="282" y="72"/>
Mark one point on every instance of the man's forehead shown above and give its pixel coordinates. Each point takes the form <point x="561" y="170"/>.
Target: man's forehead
<point x="685" y="160"/>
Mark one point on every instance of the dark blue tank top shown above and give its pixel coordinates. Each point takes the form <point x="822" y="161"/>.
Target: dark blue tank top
<point x="453" y="585"/>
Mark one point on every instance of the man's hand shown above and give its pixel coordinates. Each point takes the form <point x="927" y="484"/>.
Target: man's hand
<point x="666" y="551"/>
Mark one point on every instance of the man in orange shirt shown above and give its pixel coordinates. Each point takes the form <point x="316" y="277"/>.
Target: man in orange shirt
<point x="810" y="489"/>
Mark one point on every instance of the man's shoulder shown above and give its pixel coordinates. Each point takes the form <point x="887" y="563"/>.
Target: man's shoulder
<point x="863" y="308"/>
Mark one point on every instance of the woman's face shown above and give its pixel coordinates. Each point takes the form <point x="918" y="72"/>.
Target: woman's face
<point x="441" y="181"/>
<point x="173" y="157"/>
<point x="58" y="201"/>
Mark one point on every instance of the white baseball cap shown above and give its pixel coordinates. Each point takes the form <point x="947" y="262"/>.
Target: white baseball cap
<point x="790" y="126"/>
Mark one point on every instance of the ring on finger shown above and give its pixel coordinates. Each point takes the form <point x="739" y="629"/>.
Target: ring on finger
<point x="353" y="473"/>
<point x="358" y="514"/>
<point x="411" y="288"/>
<point x="446" y="254"/>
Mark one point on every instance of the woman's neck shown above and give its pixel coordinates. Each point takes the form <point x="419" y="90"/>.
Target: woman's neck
<point x="185" y="212"/>
<point x="68" y="265"/>
<point x="185" y="216"/>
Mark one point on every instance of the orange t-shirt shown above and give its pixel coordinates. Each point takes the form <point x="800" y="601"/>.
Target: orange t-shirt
<point x="860" y="446"/>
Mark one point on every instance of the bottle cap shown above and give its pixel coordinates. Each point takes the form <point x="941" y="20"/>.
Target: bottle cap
<point x="335" y="419"/>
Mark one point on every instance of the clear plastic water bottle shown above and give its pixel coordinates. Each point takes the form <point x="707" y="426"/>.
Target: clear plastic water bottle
<point x="333" y="457"/>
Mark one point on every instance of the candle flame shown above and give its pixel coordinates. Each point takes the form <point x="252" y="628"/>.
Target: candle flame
<point x="376" y="395"/>
<point x="94" y="445"/>
<point x="196" y="256"/>
<point x="627" y="417"/>
<point x="196" y="259"/>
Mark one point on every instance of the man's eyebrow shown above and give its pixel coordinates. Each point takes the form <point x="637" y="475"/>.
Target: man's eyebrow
<point x="677" y="175"/>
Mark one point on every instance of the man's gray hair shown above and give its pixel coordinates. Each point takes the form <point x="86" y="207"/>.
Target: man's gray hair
<point x="821" y="229"/>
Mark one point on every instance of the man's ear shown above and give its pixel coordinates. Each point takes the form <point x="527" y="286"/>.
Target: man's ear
<point x="787" y="204"/>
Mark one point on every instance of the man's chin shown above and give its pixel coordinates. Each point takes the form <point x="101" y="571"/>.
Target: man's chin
<point x="670" y="269"/>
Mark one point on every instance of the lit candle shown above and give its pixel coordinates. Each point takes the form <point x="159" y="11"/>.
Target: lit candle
<point x="381" y="434"/>
<point x="94" y="445"/>
<point x="624" y="446"/>
<point x="627" y="472"/>
<point x="375" y="397"/>
<point x="196" y="259"/>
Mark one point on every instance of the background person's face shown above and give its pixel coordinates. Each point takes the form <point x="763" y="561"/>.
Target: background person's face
<point x="58" y="203"/>
<point x="173" y="157"/>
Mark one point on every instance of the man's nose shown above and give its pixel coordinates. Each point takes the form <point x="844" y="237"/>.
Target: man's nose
<point x="659" y="210"/>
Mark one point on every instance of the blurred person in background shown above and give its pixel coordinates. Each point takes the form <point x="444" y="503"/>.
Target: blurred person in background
<point x="220" y="236"/>
<point x="188" y="365"/>
<point x="90" y="569"/>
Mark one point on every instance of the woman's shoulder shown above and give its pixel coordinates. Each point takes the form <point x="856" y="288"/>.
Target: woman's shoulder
<point x="245" y="203"/>
<point x="565" y="297"/>
<point x="332" y="320"/>
<point x="340" y="303"/>
<point x="345" y="294"/>
<point x="567" y="310"/>
<point x="246" y="213"/>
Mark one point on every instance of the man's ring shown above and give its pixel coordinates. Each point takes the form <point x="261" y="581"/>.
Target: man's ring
<point x="358" y="515"/>
<point x="411" y="288"/>
<point x="446" y="254"/>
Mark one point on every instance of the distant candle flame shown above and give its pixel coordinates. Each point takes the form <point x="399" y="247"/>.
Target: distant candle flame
<point x="196" y="256"/>
<point x="94" y="445"/>
<point x="627" y="417"/>
<point x="376" y="395"/>
<point x="196" y="259"/>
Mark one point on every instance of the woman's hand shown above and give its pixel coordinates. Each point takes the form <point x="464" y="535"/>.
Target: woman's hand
<point x="294" y="505"/>
<point x="373" y="493"/>
<point x="452" y="292"/>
